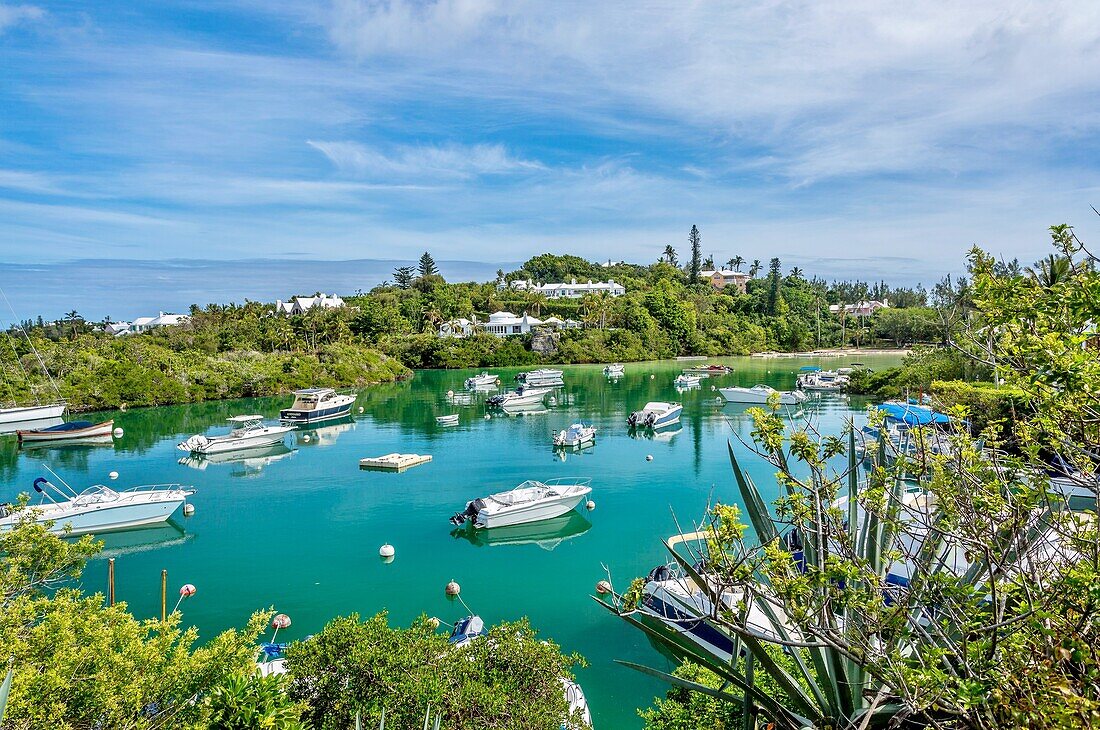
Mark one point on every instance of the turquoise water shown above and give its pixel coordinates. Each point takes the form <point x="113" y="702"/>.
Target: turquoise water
<point x="300" y="530"/>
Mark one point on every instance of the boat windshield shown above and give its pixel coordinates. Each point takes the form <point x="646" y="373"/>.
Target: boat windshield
<point x="95" y="495"/>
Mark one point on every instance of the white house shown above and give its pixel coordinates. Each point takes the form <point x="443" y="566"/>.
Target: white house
<point x="144" y="324"/>
<point x="860" y="309"/>
<point x="721" y="278"/>
<point x="503" y="324"/>
<point x="460" y="327"/>
<point x="301" y="305"/>
<point x="572" y="290"/>
<point x="561" y="324"/>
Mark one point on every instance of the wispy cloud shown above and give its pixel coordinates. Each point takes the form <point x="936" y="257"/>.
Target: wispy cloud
<point x="424" y="161"/>
<point x="11" y="15"/>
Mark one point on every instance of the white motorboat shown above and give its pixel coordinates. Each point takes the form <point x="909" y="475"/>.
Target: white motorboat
<point x="249" y="432"/>
<point x="709" y="370"/>
<point x="531" y="501"/>
<point x="614" y="370"/>
<point x="656" y="414"/>
<point x="760" y="394"/>
<point x="473" y="627"/>
<point x="98" y="508"/>
<point x="317" y="404"/>
<point x="18" y="414"/>
<point x="824" y="381"/>
<point x="576" y="435"/>
<point x="485" y="380"/>
<point x="450" y="419"/>
<point x="71" y="431"/>
<point x="686" y="381"/>
<point x="543" y="377"/>
<point x="524" y="396"/>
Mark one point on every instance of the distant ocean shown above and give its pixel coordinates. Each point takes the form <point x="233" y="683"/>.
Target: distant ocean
<point x="124" y="289"/>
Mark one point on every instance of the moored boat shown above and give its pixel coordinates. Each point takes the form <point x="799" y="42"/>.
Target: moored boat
<point x="576" y="435"/>
<point x="523" y="396"/>
<point x="485" y="380"/>
<point x="97" y="508"/>
<point x="317" y="404"/>
<point x="543" y="377"/>
<point x="822" y="381"/>
<point x="656" y="414"/>
<point x="531" y="501"/>
<point x="450" y="419"/>
<point x="614" y="370"/>
<point x="249" y="432"/>
<point x="18" y="414"/>
<point x="686" y="381"/>
<point x="709" y="370"/>
<point x="760" y="394"/>
<point x="71" y="431"/>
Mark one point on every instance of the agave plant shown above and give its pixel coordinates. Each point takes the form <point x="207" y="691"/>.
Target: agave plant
<point x="867" y="602"/>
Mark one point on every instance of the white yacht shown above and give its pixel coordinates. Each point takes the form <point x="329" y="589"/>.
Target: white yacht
<point x="543" y="377"/>
<point x="576" y="435"/>
<point x="249" y="432"/>
<point x="656" y="414"/>
<point x="760" y="394"/>
<point x="317" y="404"/>
<point x="98" y="508"/>
<point x="823" y="381"/>
<point x="614" y="370"/>
<point x="485" y="380"/>
<point x="686" y="381"/>
<point x="524" y="396"/>
<point x="531" y="501"/>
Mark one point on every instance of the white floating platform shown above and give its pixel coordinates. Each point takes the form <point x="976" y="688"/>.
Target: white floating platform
<point x="394" y="462"/>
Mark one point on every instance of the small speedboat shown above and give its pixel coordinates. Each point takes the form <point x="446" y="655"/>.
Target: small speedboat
<point x="472" y="628"/>
<point x="656" y="414"/>
<point x="448" y="420"/>
<point x="576" y="435"/>
<point x="543" y="377"/>
<point x="615" y="370"/>
<point x="709" y="370"/>
<point x="485" y="380"/>
<point x="824" y="381"/>
<point x="531" y="501"/>
<point x="97" y="508"/>
<point x="317" y="404"/>
<point x="67" y="431"/>
<point x="249" y="432"/>
<point x="686" y="381"/>
<point x="523" y="396"/>
<point x="760" y="394"/>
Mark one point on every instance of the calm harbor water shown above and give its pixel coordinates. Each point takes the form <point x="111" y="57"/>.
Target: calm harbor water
<point x="299" y="529"/>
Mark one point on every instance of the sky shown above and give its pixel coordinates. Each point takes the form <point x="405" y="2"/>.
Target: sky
<point x="869" y="138"/>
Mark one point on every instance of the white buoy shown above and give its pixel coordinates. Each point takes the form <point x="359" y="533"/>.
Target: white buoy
<point x="590" y="505"/>
<point x="453" y="589"/>
<point x="188" y="510"/>
<point x="360" y="409"/>
<point x="386" y="551"/>
<point x="487" y="416"/>
<point x="113" y="475"/>
<point x="306" y="438"/>
<point x="603" y="587"/>
<point x="118" y="433"/>
<point x="649" y="457"/>
<point x="433" y="622"/>
<point x="450" y="394"/>
<point x="651" y="377"/>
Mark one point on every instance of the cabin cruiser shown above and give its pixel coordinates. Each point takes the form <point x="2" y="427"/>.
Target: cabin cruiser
<point x="317" y="404"/>
<point x="71" y="431"/>
<point x="249" y="432"/>
<point x="614" y="370"/>
<point x="576" y="435"/>
<point x="543" y="377"/>
<point x="485" y="380"/>
<point x="471" y="628"/>
<point x="656" y="414"/>
<point x="522" y="396"/>
<point x="687" y="381"/>
<point x="761" y="394"/>
<point x="97" y="508"/>
<point x="531" y="501"/>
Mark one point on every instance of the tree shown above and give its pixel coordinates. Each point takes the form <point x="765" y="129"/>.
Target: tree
<point x="670" y="255"/>
<point x="427" y="266"/>
<point x="508" y="679"/>
<point x="796" y="273"/>
<point x="736" y="262"/>
<point x="754" y="269"/>
<point x="774" y="283"/>
<point x="403" y="276"/>
<point x="695" y="241"/>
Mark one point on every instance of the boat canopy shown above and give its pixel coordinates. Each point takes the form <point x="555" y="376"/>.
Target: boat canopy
<point x="244" y="419"/>
<point x="809" y="369"/>
<point x="913" y="415"/>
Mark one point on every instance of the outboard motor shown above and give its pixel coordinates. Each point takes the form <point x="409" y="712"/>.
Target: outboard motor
<point x="651" y="419"/>
<point x="661" y="572"/>
<point x="470" y="513"/>
<point x="632" y="419"/>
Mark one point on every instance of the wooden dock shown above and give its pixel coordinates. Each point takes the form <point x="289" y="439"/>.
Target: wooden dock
<point x="394" y="462"/>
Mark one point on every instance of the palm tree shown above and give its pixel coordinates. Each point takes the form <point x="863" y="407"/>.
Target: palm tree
<point x="72" y="317"/>
<point x="755" y="268"/>
<point x="735" y="263"/>
<point x="535" y="299"/>
<point x="670" y="254"/>
<point x="796" y="273"/>
<point x="1052" y="270"/>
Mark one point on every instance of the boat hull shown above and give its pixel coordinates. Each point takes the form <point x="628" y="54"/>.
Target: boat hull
<point x="340" y="410"/>
<point x="105" y="518"/>
<point x="544" y="510"/>
<point x="31" y="413"/>
<point x="94" y="431"/>
<point x="243" y="443"/>
<point x="756" y="397"/>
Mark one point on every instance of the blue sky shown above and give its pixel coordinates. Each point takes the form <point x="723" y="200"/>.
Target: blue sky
<point x="868" y="138"/>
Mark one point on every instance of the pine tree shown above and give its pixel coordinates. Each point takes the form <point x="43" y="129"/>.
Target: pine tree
<point x="696" y="254"/>
<point x="427" y="265"/>
<point x="403" y="276"/>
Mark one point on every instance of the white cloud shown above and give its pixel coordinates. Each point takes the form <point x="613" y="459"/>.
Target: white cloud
<point x="420" y="161"/>
<point x="11" y="15"/>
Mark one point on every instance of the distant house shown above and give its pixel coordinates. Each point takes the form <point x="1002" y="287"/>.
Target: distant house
<point x="460" y="327"/>
<point x="503" y="324"/>
<point x="144" y="324"/>
<point x="721" y="278"/>
<point x="556" y="323"/>
<point x="860" y="309"/>
<point x="572" y="290"/>
<point x="301" y="305"/>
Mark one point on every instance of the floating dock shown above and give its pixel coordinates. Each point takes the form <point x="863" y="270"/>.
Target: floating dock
<point x="394" y="462"/>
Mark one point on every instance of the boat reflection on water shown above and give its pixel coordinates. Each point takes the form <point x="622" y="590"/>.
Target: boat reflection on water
<point x="661" y="434"/>
<point x="154" y="537"/>
<point x="79" y="441"/>
<point x="532" y="409"/>
<point x="247" y="462"/>
<point x="563" y="452"/>
<point x="324" y="435"/>
<point x="547" y="534"/>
